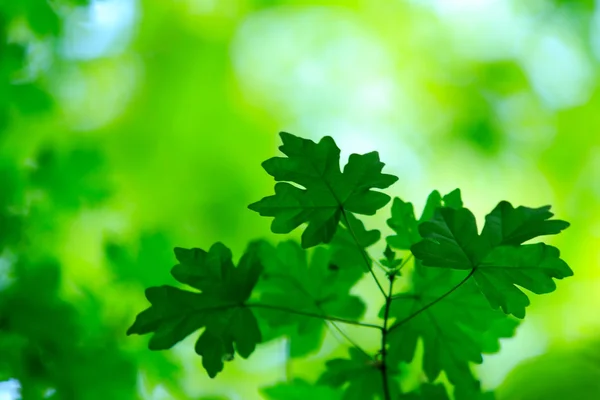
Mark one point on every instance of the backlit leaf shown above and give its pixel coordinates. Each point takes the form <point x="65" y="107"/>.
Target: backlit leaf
<point x="326" y="192"/>
<point x="174" y="313"/>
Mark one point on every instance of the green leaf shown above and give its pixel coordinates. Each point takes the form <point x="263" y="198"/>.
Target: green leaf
<point x="428" y="391"/>
<point x="321" y="288"/>
<point x="453" y="199"/>
<point x="360" y="376"/>
<point x="390" y="260"/>
<point x="498" y="260"/>
<point x="174" y="313"/>
<point x="455" y="331"/>
<point x="326" y="193"/>
<point x="404" y="223"/>
<point x="434" y="200"/>
<point x="506" y="225"/>
<point x="299" y="389"/>
<point x="529" y="266"/>
<point x="347" y="255"/>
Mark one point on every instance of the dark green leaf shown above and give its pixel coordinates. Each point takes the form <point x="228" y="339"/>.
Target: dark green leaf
<point x="346" y="255"/>
<point x="453" y="199"/>
<point x="326" y="193"/>
<point x="174" y="313"/>
<point x="390" y="260"/>
<point x="529" y="266"/>
<point x="360" y="376"/>
<point x="434" y="200"/>
<point x="506" y="225"/>
<point x="455" y="331"/>
<point x="321" y="288"/>
<point x="404" y="223"/>
<point x="299" y="389"/>
<point x="451" y="241"/>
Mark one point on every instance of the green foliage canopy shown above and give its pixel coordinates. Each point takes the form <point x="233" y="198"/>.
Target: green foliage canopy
<point x="462" y="295"/>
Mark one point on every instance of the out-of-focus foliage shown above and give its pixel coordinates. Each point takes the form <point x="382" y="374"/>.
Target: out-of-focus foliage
<point x="573" y="370"/>
<point x="116" y="114"/>
<point x="51" y="347"/>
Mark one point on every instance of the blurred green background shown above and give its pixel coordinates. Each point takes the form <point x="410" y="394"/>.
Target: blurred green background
<point x="128" y="127"/>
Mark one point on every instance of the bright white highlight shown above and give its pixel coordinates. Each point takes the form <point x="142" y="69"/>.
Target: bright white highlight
<point x="9" y="390"/>
<point x="102" y="29"/>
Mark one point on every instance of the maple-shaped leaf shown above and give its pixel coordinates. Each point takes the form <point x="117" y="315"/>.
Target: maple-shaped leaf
<point x="506" y="225"/>
<point x="219" y="307"/>
<point x="405" y="224"/>
<point x="360" y="376"/>
<point x="299" y="389"/>
<point x="326" y="192"/>
<point x="318" y="287"/>
<point x="390" y="261"/>
<point x="497" y="258"/>
<point x="455" y="330"/>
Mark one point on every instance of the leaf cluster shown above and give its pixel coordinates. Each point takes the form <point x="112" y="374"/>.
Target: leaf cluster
<point x="463" y="288"/>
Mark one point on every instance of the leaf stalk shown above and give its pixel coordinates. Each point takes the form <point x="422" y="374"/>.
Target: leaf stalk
<point x="363" y="252"/>
<point x="442" y="297"/>
<point x="312" y="315"/>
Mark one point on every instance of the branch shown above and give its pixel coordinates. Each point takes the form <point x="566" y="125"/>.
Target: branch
<point x="312" y="315"/>
<point x="363" y="252"/>
<point x="384" y="334"/>
<point x="449" y="292"/>
<point x="308" y="295"/>
<point x="348" y="338"/>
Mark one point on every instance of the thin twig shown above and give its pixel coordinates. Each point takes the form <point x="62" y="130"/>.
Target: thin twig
<point x="348" y="338"/>
<point x="384" y="334"/>
<point x="318" y="306"/>
<point x="363" y="252"/>
<point x="381" y="267"/>
<point x="308" y="314"/>
<point x="419" y="311"/>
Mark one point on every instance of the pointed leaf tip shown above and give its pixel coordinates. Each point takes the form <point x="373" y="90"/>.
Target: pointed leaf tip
<point x="312" y="189"/>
